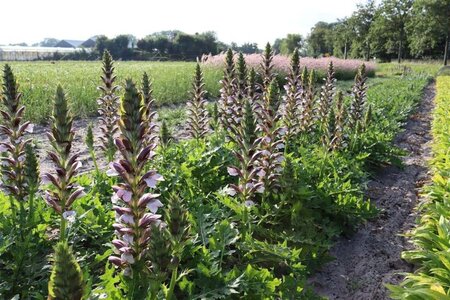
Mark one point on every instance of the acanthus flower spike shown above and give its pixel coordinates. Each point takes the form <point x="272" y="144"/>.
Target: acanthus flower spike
<point x="108" y="107"/>
<point x="64" y="191"/>
<point x="135" y="208"/>
<point x="13" y="127"/>
<point x="197" y="122"/>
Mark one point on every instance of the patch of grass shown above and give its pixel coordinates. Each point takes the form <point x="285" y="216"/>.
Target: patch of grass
<point x="38" y="81"/>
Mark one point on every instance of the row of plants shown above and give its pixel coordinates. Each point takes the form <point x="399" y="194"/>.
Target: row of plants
<point x="431" y="237"/>
<point x="345" y="69"/>
<point x="246" y="208"/>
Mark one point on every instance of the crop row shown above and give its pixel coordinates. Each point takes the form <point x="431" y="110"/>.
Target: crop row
<point x="431" y="237"/>
<point x="246" y="208"/>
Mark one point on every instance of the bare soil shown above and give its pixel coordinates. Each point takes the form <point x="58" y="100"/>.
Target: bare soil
<point x="371" y="258"/>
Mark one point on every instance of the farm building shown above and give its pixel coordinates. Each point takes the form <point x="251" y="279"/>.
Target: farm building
<point x="31" y="53"/>
<point x="89" y="43"/>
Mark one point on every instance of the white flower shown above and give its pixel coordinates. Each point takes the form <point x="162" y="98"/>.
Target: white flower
<point x="260" y="189"/>
<point x="69" y="216"/>
<point x="153" y="205"/>
<point x="112" y="171"/>
<point x="261" y="173"/>
<point x="128" y="238"/>
<point x="128" y="219"/>
<point x="79" y="165"/>
<point x="124" y="194"/>
<point x="114" y="198"/>
<point x="127" y="257"/>
<point x="29" y="128"/>
<point x="232" y="171"/>
<point x="230" y="191"/>
<point x="153" y="180"/>
<point x="21" y="158"/>
<point x="3" y="148"/>
<point x="249" y="203"/>
<point x="280" y="146"/>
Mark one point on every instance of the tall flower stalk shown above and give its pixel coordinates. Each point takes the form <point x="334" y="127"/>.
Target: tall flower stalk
<point x="135" y="207"/>
<point x="197" y="122"/>
<point x="267" y="66"/>
<point x="357" y="105"/>
<point x="108" y="107"/>
<point x="325" y="105"/>
<point x="64" y="191"/>
<point x="14" y="128"/>
<point x="248" y="170"/>
<point x="306" y="111"/>
<point x="228" y="90"/>
<point x="272" y="137"/>
<point x="150" y="113"/>
<point x="337" y="140"/>
<point x="292" y="98"/>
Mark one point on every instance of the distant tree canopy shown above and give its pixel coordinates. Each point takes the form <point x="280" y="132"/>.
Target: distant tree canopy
<point x="246" y="48"/>
<point x="179" y="45"/>
<point x="393" y="29"/>
<point x="288" y="44"/>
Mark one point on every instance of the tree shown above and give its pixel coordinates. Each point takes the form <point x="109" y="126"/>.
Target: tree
<point x="361" y="22"/>
<point x="291" y="42"/>
<point x="342" y="38"/>
<point x="320" y="40"/>
<point x="429" y="28"/>
<point x="389" y="26"/>
<point x="48" y="42"/>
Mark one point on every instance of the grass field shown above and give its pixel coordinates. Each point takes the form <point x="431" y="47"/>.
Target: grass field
<point x="38" y="81"/>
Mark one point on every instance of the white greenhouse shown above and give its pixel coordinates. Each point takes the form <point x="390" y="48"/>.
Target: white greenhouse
<point x="32" y="53"/>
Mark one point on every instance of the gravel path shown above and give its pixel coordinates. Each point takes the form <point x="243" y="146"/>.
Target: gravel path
<point x="371" y="258"/>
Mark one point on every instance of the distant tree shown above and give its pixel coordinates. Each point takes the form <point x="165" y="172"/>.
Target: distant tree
<point x="361" y="22"/>
<point x="277" y="45"/>
<point x="291" y="42"/>
<point x="343" y="34"/>
<point x="48" y="42"/>
<point x="389" y="26"/>
<point x="320" y="39"/>
<point x="101" y="44"/>
<point x="246" y="48"/>
<point x="179" y="45"/>
<point x="429" y="27"/>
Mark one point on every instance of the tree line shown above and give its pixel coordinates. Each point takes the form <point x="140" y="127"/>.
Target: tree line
<point x="393" y="29"/>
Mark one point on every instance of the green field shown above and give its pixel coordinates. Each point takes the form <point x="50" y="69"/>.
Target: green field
<point x="38" y="81"/>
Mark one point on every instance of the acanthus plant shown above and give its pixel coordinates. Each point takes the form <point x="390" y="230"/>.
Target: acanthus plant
<point x="228" y="90"/>
<point x="306" y="108"/>
<point x="245" y="135"/>
<point x="252" y="86"/>
<point x="134" y="205"/>
<point x="337" y="134"/>
<point x="325" y="106"/>
<point x="357" y="105"/>
<point x="292" y="98"/>
<point x="150" y="114"/>
<point x="242" y="79"/>
<point x="108" y="107"/>
<point x="197" y="122"/>
<point x="267" y="67"/>
<point x="272" y="143"/>
<point x="65" y="191"/>
<point x="13" y="127"/>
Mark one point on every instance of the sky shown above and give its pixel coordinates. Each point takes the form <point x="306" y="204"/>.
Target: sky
<point x="239" y="21"/>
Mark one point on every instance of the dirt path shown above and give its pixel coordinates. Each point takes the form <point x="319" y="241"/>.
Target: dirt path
<point x="371" y="258"/>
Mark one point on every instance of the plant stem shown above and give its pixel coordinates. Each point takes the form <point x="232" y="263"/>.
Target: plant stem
<point x="173" y="282"/>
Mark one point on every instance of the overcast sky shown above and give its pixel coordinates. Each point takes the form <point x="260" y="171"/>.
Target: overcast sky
<point x="240" y="21"/>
